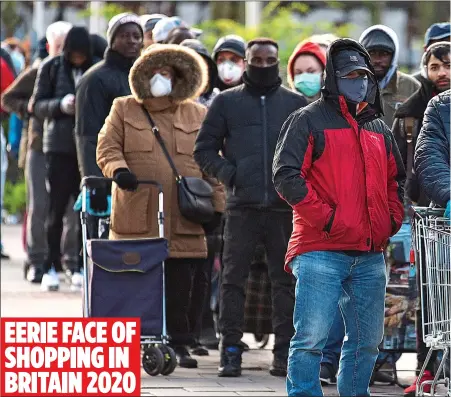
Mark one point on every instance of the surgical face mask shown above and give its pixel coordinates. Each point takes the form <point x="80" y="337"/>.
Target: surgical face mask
<point x="354" y="90"/>
<point x="308" y="84"/>
<point x="229" y="72"/>
<point x="160" y="86"/>
<point x="18" y="60"/>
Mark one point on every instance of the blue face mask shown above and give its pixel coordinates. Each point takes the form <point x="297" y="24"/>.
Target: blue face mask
<point x="308" y="84"/>
<point x="354" y="90"/>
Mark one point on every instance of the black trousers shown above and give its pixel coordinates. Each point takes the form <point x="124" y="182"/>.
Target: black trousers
<point x="244" y="229"/>
<point x="63" y="183"/>
<point x="179" y="282"/>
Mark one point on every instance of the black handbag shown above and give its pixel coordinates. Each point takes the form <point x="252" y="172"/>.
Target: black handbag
<point x="195" y="196"/>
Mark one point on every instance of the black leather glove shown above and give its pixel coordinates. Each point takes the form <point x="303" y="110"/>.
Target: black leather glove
<point x="99" y="199"/>
<point x="125" y="179"/>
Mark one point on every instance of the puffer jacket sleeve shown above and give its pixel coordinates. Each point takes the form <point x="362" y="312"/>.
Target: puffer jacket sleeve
<point x="43" y="102"/>
<point x="91" y="110"/>
<point x="110" y="147"/>
<point x="396" y="178"/>
<point x="291" y="164"/>
<point x="209" y="143"/>
<point x="432" y="162"/>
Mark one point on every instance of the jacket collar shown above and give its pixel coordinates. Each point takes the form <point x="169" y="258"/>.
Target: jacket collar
<point x="117" y="60"/>
<point x="160" y="104"/>
<point x="392" y="86"/>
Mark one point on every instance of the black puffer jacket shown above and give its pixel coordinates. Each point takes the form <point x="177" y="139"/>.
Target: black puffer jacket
<point x="54" y="81"/>
<point x="432" y="161"/>
<point x="244" y="126"/>
<point x="96" y="92"/>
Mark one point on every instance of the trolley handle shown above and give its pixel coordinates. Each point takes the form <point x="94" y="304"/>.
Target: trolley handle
<point x="427" y="211"/>
<point x="94" y="181"/>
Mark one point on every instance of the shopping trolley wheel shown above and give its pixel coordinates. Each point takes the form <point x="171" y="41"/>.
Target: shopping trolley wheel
<point x="170" y="360"/>
<point x="153" y="361"/>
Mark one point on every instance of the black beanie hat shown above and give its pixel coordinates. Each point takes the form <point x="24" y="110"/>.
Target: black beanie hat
<point x="121" y="19"/>
<point x="78" y="40"/>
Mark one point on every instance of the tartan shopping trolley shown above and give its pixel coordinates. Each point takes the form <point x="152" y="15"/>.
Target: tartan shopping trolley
<point x="432" y="243"/>
<point x="125" y="278"/>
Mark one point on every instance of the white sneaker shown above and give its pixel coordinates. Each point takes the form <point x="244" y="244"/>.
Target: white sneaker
<point x="50" y="281"/>
<point x="76" y="282"/>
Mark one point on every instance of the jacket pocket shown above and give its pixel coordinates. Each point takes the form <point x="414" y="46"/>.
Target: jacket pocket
<point x="334" y="226"/>
<point x="138" y="136"/>
<point x="185" y="137"/>
<point x="130" y="211"/>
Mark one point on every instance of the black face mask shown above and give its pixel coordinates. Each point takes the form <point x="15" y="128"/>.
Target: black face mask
<point x="263" y="77"/>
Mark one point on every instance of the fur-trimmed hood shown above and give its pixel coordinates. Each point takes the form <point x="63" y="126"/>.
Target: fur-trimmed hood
<point x="191" y="77"/>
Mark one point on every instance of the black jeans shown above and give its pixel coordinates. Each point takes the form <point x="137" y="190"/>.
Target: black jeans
<point x="244" y="229"/>
<point x="63" y="182"/>
<point x="179" y="281"/>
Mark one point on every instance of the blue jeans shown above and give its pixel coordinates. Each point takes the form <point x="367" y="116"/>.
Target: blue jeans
<point x="332" y="350"/>
<point x="357" y="284"/>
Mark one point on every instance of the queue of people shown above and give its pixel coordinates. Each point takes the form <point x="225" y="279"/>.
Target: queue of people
<point x="317" y="175"/>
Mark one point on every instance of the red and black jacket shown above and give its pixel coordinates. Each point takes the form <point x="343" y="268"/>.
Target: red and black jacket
<point x="341" y="173"/>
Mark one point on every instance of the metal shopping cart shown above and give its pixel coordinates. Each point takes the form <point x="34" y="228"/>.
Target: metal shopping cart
<point x="432" y="243"/>
<point x="125" y="278"/>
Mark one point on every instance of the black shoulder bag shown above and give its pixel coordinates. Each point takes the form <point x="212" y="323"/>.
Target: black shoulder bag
<point x="194" y="194"/>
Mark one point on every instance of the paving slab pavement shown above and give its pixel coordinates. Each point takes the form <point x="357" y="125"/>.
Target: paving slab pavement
<point x="22" y="299"/>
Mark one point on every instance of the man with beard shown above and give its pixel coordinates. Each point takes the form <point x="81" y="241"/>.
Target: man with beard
<point x="434" y="79"/>
<point x="102" y="84"/>
<point x="440" y="31"/>
<point x="255" y="213"/>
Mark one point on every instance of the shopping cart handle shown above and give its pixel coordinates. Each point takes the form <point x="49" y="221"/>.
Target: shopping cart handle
<point x="150" y="182"/>
<point x="427" y="211"/>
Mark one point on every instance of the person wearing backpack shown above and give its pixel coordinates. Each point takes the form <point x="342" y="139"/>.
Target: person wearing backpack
<point x="53" y="101"/>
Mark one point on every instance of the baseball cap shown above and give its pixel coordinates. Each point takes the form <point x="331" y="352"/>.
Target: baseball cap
<point x="149" y="21"/>
<point x="437" y="31"/>
<point x="164" y="26"/>
<point x="346" y="61"/>
<point x="230" y="43"/>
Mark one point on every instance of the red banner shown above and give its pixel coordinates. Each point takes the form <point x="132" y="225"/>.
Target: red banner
<point x="70" y="356"/>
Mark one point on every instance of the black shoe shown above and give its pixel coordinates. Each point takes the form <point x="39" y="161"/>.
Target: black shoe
<point x="184" y="358"/>
<point x="230" y="362"/>
<point x="382" y="376"/>
<point x="198" y="350"/>
<point x="327" y="375"/>
<point x="34" y="274"/>
<point x="4" y="256"/>
<point x="279" y="366"/>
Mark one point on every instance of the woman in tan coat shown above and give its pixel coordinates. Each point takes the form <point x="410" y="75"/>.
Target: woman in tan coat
<point x="164" y="79"/>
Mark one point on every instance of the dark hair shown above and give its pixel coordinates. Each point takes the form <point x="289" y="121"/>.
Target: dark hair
<point x="179" y="34"/>
<point x="439" y="50"/>
<point x="262" y="41"/>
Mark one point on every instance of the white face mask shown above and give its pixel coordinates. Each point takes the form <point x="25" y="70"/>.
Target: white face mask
<point x="160" y="86"/>
<point x="229" y="72"/>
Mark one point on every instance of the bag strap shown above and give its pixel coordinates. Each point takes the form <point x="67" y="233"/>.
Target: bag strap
<point x="157" y="134"/>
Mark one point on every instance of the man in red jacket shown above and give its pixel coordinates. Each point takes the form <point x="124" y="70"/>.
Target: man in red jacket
<point x="338" y="166"/>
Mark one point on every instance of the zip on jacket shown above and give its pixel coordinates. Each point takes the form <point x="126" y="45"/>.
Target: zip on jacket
<point x="265" y="151"/>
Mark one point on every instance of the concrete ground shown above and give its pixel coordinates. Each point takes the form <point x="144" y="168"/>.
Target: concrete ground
<point x="21" y="299"/>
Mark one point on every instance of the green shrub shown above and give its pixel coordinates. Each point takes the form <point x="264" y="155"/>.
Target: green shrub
<point x="15" y="197"/>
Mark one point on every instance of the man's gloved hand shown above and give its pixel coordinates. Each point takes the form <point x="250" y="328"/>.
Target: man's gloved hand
<point x="99" y="199"/>
<point x="125" y="179"/>
<point x="448" y="210"/>
<point x="67" y="104"/>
